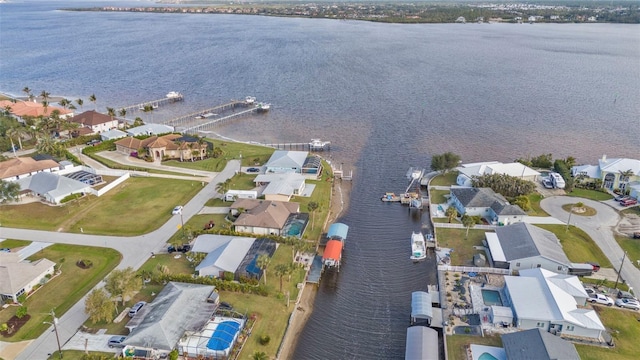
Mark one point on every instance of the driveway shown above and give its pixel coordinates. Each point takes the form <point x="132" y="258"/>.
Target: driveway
<point x="135" y="252"/>
<point x="89" y="342"/>
<point x="600" y="228"/>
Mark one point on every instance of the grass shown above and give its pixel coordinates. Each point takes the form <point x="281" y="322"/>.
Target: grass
<point x="438" y="196"/>
<point x="11" y="244"/>
<point x="446" y="179"/>
<point x="625" y="330"/>
<point x="252" y="155"/>
<point x="137" y="206"/>
<point x="631" y="246"/>
<point x="605" y="283"/>
<point x="197" y="223"/>
<point x="242" y="181"/>
<point x="63" y="291"/>
<point x="456" y="344"/>
<point x="78" y="355"/>
<point x="588" y="211"/>
<point x="577" y="245"/>
<point x="536" y="210"/>
<point x="590" y="194"/>
<point x="116" y="165"/>
<point x="463" y="248"/>
<point x="217" y="202"/>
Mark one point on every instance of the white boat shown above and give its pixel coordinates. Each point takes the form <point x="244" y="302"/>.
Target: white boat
<point x="418" y="246"/>
<point x="249" y="100"/>
<point x="174" y="95"/>
<point x="263" y="107"/>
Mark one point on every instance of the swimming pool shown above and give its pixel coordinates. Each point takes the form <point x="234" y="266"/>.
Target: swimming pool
<point x="491" y="297"/>
<point x="295" y="229"/>
<point x="223" y="336"/>
<point x="487" y="356"/>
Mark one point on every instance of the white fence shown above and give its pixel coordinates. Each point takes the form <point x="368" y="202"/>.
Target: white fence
<point x="460" y="226"/>
<point x="478" y="270"/>
<point x="113" y="184"/>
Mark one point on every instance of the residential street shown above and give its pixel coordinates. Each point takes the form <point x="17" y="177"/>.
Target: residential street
<point x="600" y="228"/>
<point x="135" y="251"/>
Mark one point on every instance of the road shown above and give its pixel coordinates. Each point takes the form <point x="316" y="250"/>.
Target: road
<point x="600" y="228"/>
<point x="135" y="252"/>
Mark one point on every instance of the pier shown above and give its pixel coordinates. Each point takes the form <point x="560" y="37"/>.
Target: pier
<point x="186" y="119"/>
<point x="314" y="145"/>
<point x="212" y="123"/>
<point x="169" y="99"/>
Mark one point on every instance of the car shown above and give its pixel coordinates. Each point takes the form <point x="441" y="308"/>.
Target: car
<point x="225" y="306"/>
<point x="628" y="303"/>
<point x="620" y="197"/>
<point x="625" y="295"/>
<point x="135" y="308"/>
<point x="253" y="170"/>
<point x="5" y="250"/>
<point x="601" y="299"/>
<point x="181" y="248"/>
<point x="94" y="142"/>
<point x="546" y="182"/>
<point x="177" y="210"/>
<point x="595" y="266"/>
<point x="628" y="202"/>
<point x="116" y="341"/>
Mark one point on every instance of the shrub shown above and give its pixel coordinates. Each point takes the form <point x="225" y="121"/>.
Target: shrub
<point x="21" y="312"/>
<point x="264" y="339"/>
<point x="70" y="197"/>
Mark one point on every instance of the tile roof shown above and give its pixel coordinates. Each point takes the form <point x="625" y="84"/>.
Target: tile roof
<point x="264" y="213"/>
<point x="24" y="165"/>
<point x="28" y="108"/>
<point x="91" y="118"/>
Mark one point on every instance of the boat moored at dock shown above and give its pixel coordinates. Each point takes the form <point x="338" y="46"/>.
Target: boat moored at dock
<point x="174" y="95"/>
<point x="390" y="197"/>
<point x="418" y="246"/>
<point x="332" y="255"/>
<point x="263" y="107"/>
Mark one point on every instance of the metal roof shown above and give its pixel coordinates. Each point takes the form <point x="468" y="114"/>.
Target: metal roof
<point x="422" y="343"/>
<point x="421" y="305"/>
<point x="338" y="230"/>
<point x="537" y="344"/>
<point x="522" y="240"/>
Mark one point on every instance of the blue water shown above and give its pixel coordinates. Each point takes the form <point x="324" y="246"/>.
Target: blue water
<point x="491" y="297"/>
<point x="223" y="335"/>
<point x="387" y="96"/>
<point x="295" y="229"/>
<point x="486" y="356"/>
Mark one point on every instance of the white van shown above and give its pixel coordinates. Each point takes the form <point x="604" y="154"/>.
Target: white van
<point x="557" y="180"/>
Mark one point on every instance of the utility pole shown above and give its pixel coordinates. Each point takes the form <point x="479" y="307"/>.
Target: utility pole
<point x="569" y="221"/>
<point x="620" y="269"/>
<point x="55" y="328"/>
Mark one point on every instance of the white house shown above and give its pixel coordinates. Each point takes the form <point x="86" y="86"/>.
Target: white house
<point x="617" y="173"/>
<point x="150" y="129"/>
<point x="21" y="167"/>
<point x="486" y="203"/>
<point x="524" y="246"/>
<point x="112" y="134"/>
<point x="466" y="172"/>
<point x="282" y="161"/>
<point x="95" y="121"/>
<point x="52" y="187"/>
<point x="17" y="278"/>
<point x="548" y="301"/>
<point x="281" y="186"/>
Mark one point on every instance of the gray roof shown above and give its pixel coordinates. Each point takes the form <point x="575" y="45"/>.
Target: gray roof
<point x="539" y="345"/>
<point x="227" y="256"/>
<point x="422" y="343"/>
<point x="522" y="240"/>
<point x="52" y="184"/>
<point x="179" y="307"/>
<point x="16" y="275"/>
<point x="287" y="159"/>
<point x="421" y="305"/>
<point x="477" y="197"/>
<point x="113" y="134"/>
<point x="150" y="129"/>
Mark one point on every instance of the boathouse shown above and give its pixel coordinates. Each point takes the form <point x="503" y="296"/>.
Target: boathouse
<point x="422" y="343"/>
<point x="336" y="236"/>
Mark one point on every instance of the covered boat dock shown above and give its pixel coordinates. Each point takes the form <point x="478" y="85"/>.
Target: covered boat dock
<point x="422" y="343"/>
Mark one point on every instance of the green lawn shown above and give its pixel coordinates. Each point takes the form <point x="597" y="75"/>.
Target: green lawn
<point x="195" y="224"/>
<point x="11" y="243"/>
<point x="536" y="210"/>
<point x="625" y="329"/>
<point x="78" y="355"/>
<point x="137" y="206"/>
<point x="116" y="165"/>
<point x="590" y="194"/>
<point x="463" y="248"/>
<point x="61" y="292"/>
<point x="438" y="196"/>
<point x="216" y="202"/>
<point x="242" y="181"/>
<point x="447" y="179"/>
<point x="577" y="245"/>
<point x="252" y="155"/>
<point x="456" y="344"/>
<point x="631" y="246"/>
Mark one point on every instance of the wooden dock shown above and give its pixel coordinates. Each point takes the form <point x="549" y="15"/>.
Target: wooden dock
<point x="314" y="145"/>
<point x="153" y="103"/>
<point x="185" y="119"/>
<point x="215" y="122"/>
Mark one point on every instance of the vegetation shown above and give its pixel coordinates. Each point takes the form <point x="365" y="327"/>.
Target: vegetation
<point x="457" y="344"/>
<point x="250" y="155"/>
<point x="534" y="201"/>
<point x="508" y="186"/>
<point x="462" y="243"/>
<point x="631" y="246"/>
<point x="596" y="195"/>
<point x="577" y="245"/>
<point x="99" y="306"/>
<point x="80" y="355"/>
<point x="446" y="179"/>
<point x="563" y="167"/>
<point x="9" y="191"/>
<point x="544" y="161"/>
<point x="444" y="162"/>
<point x="623" y="326"/>
<point x="123" y="283"/>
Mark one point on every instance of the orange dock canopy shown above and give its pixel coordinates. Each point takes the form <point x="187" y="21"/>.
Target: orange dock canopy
<point x="333" y="250"/>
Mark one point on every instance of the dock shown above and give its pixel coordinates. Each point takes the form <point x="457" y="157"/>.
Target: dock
<point x="313" y="145"/>
<point x="316" y="270"/>
<point x="187" y="119"/>
<point x="154" y="104"/>
<point x="215" y="122"/>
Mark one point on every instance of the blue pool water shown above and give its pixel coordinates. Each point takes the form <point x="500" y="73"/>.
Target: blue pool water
<point x="491" y="297"/>
<point x="295" y="229"/>
<point x="223" y="335"/>
<point x="486" y="356"/>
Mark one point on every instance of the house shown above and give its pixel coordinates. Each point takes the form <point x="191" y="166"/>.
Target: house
<point x="537" y="344"/>
<point x="280" y="186"/>
<point x="21" y="110"/>
<point x="172" y="146"/>
<point x="95" y="121"/>
<point x="21" y="167"/>
<point x="51" y="187"/>
<point x="150" y="129"/>
<point x="178" y="309"/>
<point x="262" y="217"/>
<point x="466" y="172"/>
<point x="282" y="161"/>
<point x="487" y="204"/>
<point x="112" y="134"/>
<point x="524" y="246"/>
<point x="549" y="301"/>
<point x="17" y="277"/>
<point x="618" y="173"/>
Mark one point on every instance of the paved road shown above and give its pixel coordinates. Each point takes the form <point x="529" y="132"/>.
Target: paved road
<point x="600" y="228"/>
<point x="135" y="250"/>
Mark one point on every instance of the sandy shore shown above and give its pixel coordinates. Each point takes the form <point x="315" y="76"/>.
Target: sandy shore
<point x="304" y="308"/>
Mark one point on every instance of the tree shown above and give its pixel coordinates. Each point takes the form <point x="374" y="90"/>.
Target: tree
<point x="259" y="355"/>
<point x="123" y="283"/>
<point x="451" y="213"/>
<point x="94" y="100"/>
<point x="9" y="191"/>
<point x="27" y="91"/>
<point x="523" y="202"/>
<point x="544" y="161"/>
<point x="445" y="162"/>
<point x="17" y="132"/>
<point x="99" y="306"/>
<point x="281" y="270"/>
<point x="313" y="206"/>
<point x="122" y="112"/>
<point x="21" y="312"/>
<point x="148" y="108"/>
<point x="263" y="262"/>
<point x="111" y="112"/>
<point x="138" y="122"/>
<point x="624" y="179"/>
<point x="80" y="102"/>
<point x="64" y="103"/>
<point x="508" y="186"/>
<point x="468" y="222"/>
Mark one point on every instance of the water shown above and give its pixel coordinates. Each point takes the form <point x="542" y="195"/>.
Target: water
<point x="388" y="97"/>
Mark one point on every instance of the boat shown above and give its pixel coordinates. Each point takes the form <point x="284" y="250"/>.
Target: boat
<point x="418" y="246"/>
<point x="250" y="100"/>
<point x="263" y="107"/>
<point x="390" y="197"/>
<point x="205" y="115"/>
<point x="174" y="95"/>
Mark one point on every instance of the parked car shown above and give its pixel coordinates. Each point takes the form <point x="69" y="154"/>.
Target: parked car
<point x="620" y="197"/>
<point x="546" y="182"/>
<point x="5" y="250"/>
<point x="135" y="308"/>
<point x="94" y="142"/>
<point x="595" y="266"/>
<point x="180" y="248"/>
<point x="628" y="303"/>
<point x="601" y="299"/>
<point x="253" y="170"/>
<point x="625" y="295"/>
<point x="116" y="341"/>
<point x="177" y="210"/>
<point x="628" y="202"/>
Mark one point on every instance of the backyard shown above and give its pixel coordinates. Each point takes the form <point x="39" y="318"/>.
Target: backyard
<point x="64" y="290"/>
<point x="251" y="155"/>
<point x="457" y="344"/>
<point x="463" y="247"/>
<point x="623" y="326"/>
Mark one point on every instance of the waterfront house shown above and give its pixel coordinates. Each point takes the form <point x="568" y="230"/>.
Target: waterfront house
<point x="21" y="167"/>
<point x="537" y="344"/>
<point x="617" y="173"/>
<point x="112" y="134"/>
<point x="95" y="121"/>
<point x="170" y="146"/>
<point x="282" y="161"/>
<point x="150" y="129"/>
<point x="280" y="186"/>
<point x="524" y="246"/>
<point x="21" y="110"/>
<point x="466" y="172"/>
<point x="20" y="277"/>
<point x="262" y="217"/>
<point x="544" y="300"/>
<point x="487" y="204"/>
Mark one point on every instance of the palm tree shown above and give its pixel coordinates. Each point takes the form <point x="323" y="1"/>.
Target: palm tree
<point x="468" y="222"/>
<point x="281" y="270"/>
<point x="64" y="103"/>
<point x="148" y="108"/>
<point x="259" y="355"/>
<point x="7" y="110"/>
<point x="122" y="112"/>
<point x="111" y="112"/>
<point x="18" y="132"/>
<point x="80" y="102"/>
<point x="451" y="213"/>
<point x="263" y="262"/>
<point x="44" y="95"/>
<point x="313" y="206"/>
<point x="45" y="105"/>
<point x="93" y="99"/>
<point x="624" y="179"/>
<point x="27" y="91"/>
